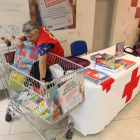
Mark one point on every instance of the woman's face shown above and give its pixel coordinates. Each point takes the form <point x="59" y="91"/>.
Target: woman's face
<point x="32" y="37"/>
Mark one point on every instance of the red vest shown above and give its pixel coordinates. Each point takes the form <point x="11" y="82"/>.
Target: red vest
<point x="46" y="37"/>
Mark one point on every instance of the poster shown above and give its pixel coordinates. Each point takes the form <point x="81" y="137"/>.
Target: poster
<point x="70" y="94"/>
<point x="67" y="95"/>
<point x="54" y="14"/>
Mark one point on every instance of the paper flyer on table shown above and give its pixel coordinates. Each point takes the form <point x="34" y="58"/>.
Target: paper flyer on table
<point x="56" y="13"/>
<point x="71" y="93"/>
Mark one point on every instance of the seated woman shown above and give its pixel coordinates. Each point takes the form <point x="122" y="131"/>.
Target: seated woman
<point x="45" y="42"/>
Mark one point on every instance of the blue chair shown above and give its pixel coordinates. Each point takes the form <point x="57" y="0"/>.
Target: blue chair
<point x="78" y="47"/>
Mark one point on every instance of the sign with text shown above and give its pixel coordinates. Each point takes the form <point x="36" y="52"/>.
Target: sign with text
<point x="71" y="93"/>
<point x="56" y="14"/>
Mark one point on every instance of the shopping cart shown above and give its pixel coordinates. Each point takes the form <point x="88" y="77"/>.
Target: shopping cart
<point x="24" y="90"/>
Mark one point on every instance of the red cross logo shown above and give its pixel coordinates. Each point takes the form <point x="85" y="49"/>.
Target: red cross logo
<point x="131" y="85"/>
<point x="107" y="84"/>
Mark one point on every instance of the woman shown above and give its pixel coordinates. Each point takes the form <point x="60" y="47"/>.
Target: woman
<point x="44" y="41"/>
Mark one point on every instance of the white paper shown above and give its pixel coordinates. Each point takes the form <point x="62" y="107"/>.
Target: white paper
<point x="56" y="13"/>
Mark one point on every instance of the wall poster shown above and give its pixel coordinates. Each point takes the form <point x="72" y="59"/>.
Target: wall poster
<point x="54" y="14"/>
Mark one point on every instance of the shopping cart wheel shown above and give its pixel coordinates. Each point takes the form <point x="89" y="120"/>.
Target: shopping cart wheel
<point x="8" y="118"/>
<point x="69" y="134"/>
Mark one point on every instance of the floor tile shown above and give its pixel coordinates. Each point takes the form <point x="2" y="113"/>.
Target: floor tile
<point x="138" y="94"/>
<point x="4" y="105"/>
<point x="3" y="96"/>
<point x="129" y="111"/>
<point x="79" y="136"/>
<point x="122" y="130"/>
<point x="51" y="133"/>
<point x="137" y="99"/>
<point x="22" y="136"/>
<point x="4" y="126"/>
<point x="76" y="136"/>
<point x="20" y="125"/>
<point x="64" y="122"/>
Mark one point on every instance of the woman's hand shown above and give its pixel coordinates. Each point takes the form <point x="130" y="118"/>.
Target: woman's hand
<point x="42" y="70"/>
<point x="81" y="91"/>
<point x="42" y="88"/>
<point x="19" y="43"/>
<point x="59" y="101"/>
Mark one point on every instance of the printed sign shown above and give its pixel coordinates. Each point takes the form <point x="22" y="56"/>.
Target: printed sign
<point x="70" y="94"/>
<point x="56" y="14"/>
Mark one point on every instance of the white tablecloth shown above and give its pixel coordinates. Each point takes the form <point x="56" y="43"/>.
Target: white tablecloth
<point x="100" y="107"/>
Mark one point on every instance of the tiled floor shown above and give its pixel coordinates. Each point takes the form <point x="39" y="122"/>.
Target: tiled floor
<point x="125" y="126"/>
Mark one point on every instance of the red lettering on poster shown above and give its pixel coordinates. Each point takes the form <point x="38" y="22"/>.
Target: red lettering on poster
<point x="53" y="2"/>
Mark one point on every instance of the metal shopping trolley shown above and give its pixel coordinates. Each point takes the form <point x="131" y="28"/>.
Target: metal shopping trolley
<point x="58" y="98"/>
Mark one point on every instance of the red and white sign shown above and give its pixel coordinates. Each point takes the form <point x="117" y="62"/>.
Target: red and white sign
<point x="56" y="13"/>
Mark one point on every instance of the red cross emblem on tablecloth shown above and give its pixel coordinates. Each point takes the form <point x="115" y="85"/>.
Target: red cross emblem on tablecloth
<point x="107" y="84"/>
<point x="129" y="87"/>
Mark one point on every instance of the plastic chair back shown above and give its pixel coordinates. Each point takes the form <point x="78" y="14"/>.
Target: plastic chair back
<point x="78" y="47"/>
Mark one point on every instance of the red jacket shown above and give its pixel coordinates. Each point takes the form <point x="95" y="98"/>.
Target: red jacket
<point x="46" y="37"/>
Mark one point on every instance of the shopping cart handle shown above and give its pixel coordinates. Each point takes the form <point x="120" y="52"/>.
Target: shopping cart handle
<point x="8" y="43"/>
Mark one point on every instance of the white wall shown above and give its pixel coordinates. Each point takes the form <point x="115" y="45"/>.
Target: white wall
<point x="126" y="23"/>
<point x="100" y="24"/>
<point x="84" y="26"/>
<point x="13" y="13"/>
